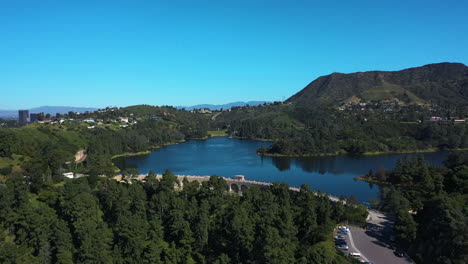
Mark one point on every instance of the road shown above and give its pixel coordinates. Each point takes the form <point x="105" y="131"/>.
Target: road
<point x="214" y="117"/>
<point x="373" y="241"/>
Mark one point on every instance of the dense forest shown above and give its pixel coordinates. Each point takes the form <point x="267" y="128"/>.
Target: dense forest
<point x="98" y="220"/>
<point x="363" y="113"/>
<point x="303" y="130"/>
<point x="430" y="204"/>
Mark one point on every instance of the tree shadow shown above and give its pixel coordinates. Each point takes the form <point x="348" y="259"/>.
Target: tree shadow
<point x="380" y="233"/>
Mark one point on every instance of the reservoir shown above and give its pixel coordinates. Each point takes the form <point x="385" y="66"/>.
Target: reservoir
<point x="231" y="156"/>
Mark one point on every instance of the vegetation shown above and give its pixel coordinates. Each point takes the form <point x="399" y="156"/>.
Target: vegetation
<point x="45" y="151"/>
<point x="442" y="84"/>
<point x="98" y="220"/>
<point x="217" y="133"/>
<point x="44" y="219"/>
<point x="363" y="113"/>
<point x="430" y="207"/>
<point x="303" y="130"/>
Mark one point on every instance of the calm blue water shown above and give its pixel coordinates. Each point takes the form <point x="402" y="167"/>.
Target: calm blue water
<point x="230" y="156"/>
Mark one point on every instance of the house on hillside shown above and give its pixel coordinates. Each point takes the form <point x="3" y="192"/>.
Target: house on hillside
<point x="436" y="119"/>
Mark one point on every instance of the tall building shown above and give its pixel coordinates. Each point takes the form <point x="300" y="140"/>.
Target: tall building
<point x="23" y="116"/>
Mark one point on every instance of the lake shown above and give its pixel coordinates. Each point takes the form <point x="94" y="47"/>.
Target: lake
<point x="231" y="156"/>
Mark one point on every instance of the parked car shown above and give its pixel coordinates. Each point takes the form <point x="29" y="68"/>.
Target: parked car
<point x="340" y="237"/>
<point x="355" y="254"/>
<point x="340" y="242"/>
<point x="399" y="253"/>
<point x="342" y="246"/>
<point x="343" y="231"/>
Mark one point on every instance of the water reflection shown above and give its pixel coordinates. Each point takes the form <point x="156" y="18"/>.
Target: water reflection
<point x="321" y="165"/>
<point x="282" y="163"/>
<point x="228" y="157"/>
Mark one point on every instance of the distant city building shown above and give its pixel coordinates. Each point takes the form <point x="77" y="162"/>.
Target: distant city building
<point x="23" y="116"/>
<point x="33" y="117"/>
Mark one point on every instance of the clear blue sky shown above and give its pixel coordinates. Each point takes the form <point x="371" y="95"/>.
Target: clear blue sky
<point x="102" y="53"/>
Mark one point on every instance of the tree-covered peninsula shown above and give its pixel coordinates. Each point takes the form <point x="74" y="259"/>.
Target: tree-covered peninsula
<point x="99" y="220"/>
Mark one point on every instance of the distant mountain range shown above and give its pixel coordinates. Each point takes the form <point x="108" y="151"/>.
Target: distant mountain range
<point x="223" y="106"/>
<point x="13" y="114"/>
<point x="444" y="84"/>
<point x="440" y="83"/>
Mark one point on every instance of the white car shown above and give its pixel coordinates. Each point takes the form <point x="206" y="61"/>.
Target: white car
<point x="355" y="254"/>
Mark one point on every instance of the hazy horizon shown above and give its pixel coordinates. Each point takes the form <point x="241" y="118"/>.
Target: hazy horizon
<point x="80" y="106"/>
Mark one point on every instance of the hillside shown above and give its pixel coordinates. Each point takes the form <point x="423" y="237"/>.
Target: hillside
<point x="440" y="84"/>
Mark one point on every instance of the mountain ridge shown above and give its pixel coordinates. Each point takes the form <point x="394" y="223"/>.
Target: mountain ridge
<point x="223" y="106"/>
<point x="438" y="83"/>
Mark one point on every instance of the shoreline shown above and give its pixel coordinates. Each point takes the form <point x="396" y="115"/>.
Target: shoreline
<point x="298" y="156"/>
<point x="372" y="181"/>
<point x="339" y="153"/>
<point x="430" y="150"/>
<point x="257" y="139"/>
<point x="148" y="151"/>
<point x="366" y="179"/>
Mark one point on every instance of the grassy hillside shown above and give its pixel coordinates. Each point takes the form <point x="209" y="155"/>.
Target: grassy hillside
<point x="440" y="84"/>
<point x="46" y="150"/>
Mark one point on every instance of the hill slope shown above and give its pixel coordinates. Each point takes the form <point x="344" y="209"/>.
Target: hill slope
<point x="441" y="83"/>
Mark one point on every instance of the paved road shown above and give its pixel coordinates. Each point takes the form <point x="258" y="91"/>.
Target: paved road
<point x="373" y="241"/>
<point x="352" y="246"/>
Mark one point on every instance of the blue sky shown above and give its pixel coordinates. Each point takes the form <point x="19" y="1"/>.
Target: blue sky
<point x="106" y="53"/>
